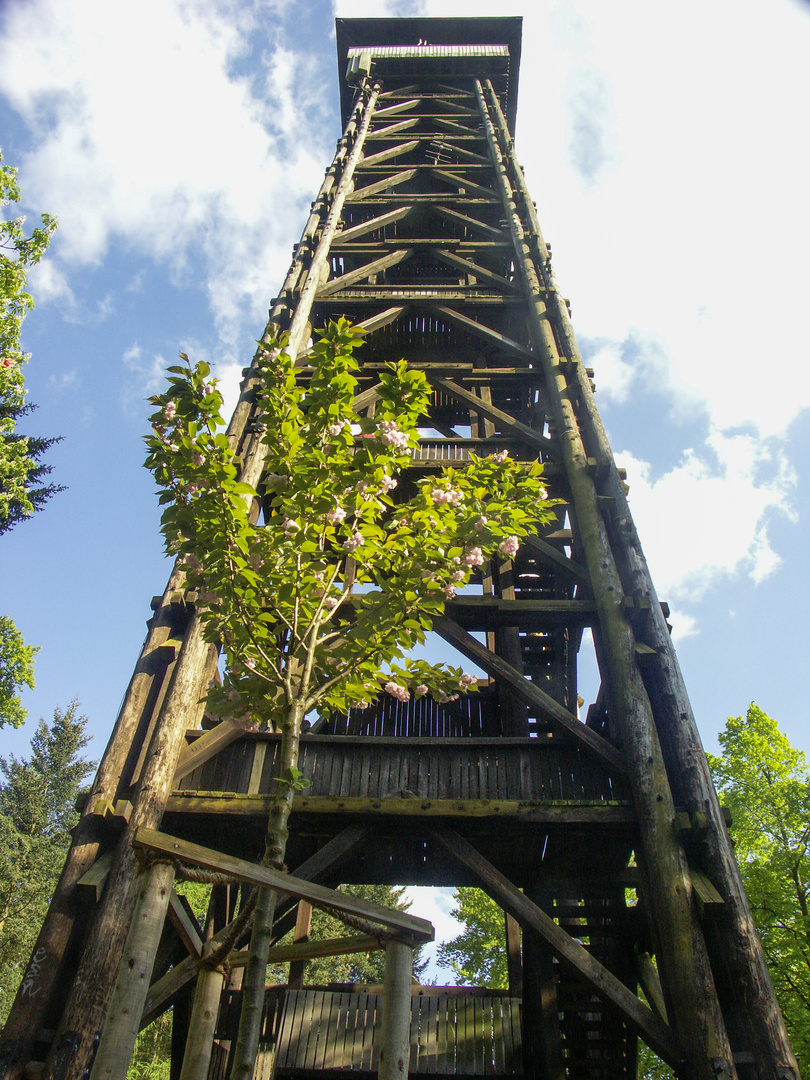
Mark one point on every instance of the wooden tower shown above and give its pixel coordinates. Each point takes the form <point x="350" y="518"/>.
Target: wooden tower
<point x="598" y="832"/>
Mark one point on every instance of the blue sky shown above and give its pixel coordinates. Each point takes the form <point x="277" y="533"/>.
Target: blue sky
<point x="180" y="144"/>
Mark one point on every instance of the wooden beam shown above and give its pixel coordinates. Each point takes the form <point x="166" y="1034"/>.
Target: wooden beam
<point x="550" y="554"/>
<point x="710" y="903"/>
<point x="381" y="185"/>
<point x="463" y="182"/>
<point x="459" y="129"/>
<point x="162" y="992"/>
<point x="469" y="267"/>
<point x="378" y="222"/>
<point x="377" y="322"/>
<point x="546" y="812"/>
<point x="576" y="957"/>
<point x="417" y="930"/>
<point x="470" y="222"/>
<point x="551" y="709"/>
<point x="363" y="272"/>
<point x="387" y="155"/>
<point x="479" y="159"/>
<point x="478" y="329"/>
<point x="519" y="430"/>
<point x="460" y="109"/>
<point x="391" y="110"/>
<point x="206" y="746"/>
<point x="184" y="922"/>
<point x="91" y="885"/>
<point x="487" y="612"/>
<point x="313" y="950"/>
<point x="366" y="398"/>
<point x="393" y="129"/>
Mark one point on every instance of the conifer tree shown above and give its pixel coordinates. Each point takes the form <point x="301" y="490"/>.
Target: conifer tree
<point x="37" y="797"/>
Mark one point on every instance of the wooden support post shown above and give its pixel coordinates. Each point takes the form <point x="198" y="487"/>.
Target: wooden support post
<point x="134" y="975"/>
<point x="692" y="1002"/>
<point x="87" y="1004"/>
<point x="303" y="924"/>
<point x="396" y="1012"/>
<point x="47" y="978"/>
<point x="514" y="963"/>
<point x="204" y="1013"/>
<point x="540" y="1024"/>
<point x="749" y="1002"/>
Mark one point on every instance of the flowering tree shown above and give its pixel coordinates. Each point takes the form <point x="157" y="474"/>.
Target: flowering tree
<point x="19" y="468"/>
<point x="317" y="606"/>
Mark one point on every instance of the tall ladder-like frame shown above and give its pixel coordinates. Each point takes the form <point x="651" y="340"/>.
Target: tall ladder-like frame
<point x="602" y="839"/>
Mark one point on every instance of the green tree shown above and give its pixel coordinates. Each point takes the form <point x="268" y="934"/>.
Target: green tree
<point x="765" y="783"/>
<point x="37" y="812"/>
<point x="21" y="469"/>
<point x="16" y="671"/>
<point x="477" y="956"/>
<point x="317" y="606"/>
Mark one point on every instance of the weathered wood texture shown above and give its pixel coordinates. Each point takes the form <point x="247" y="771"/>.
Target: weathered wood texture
<point x="535" y="770"/>
<point x="322" y="1031"/>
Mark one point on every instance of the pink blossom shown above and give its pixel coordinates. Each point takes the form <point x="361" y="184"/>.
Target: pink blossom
<point x="459" y="575"/>
<point x="482" y="521"/>
<point x="231" y="694"/>
<point x="275" y="480"/>
<point x="449" y="591"/>
<point x="255" y="560"/>
<point x="290" y="526"/>
<point x="397" y="691"/>
<point x="197" y="458"/>
<point x="169" y="410"/>
<point x="474" y="556"/>
<point x="330" y="602"/>
<point x="447" y="495"/>
<point x="250" y="663"/>
<point x="444" y="698"/>
<point x="509" y="546"/>
<point x="353" y="543"/>
<point x="420" y="690"/>
<point x="391" y="435"/>
<point x="336" y="429"/>
<point x="359" y="704"/>
<point x="388" y="483"/>
<point x="501" y="457"/>
<point x="467" y="680"/>
<point x="336" y="515"/>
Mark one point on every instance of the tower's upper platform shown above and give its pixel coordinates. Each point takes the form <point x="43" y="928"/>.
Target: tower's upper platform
<point x="416" y="47"/>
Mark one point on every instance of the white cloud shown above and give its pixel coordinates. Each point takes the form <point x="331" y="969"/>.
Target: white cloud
<point x="707" y="518"/>
<point x="145" y="134"/>
<point x="147" y="374"/>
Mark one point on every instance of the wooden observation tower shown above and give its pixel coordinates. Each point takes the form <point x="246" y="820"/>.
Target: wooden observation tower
<point x="598" y="832"/>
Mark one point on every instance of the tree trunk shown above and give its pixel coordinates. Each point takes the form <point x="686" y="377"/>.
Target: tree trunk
<point x="250" y="1019"/>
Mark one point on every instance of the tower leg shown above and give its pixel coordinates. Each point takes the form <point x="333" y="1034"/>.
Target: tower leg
<point x="396" y="1012"/>
<point x="126" y="1005"/>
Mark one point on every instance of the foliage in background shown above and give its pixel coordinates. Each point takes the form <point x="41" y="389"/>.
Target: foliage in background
<point x="20" y="470"/>
<point x="765" y="783"/>
<point x="16" y="671"/>
<point x="356" y="967"/>
<point x="476" y="956"/>
<point x="37" y="797"/>
<point x="20" y="467"/>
